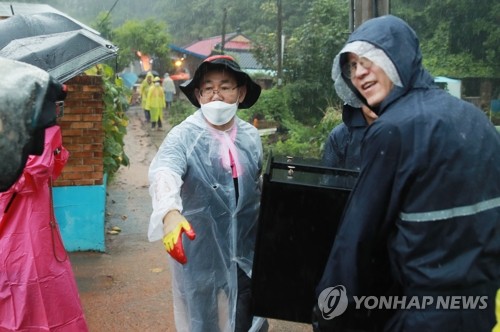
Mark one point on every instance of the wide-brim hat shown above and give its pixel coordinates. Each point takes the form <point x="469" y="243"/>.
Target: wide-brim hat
<point x="224" y="62"/>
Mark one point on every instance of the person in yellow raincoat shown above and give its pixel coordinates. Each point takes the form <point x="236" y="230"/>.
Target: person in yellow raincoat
<point x="155" y="102"/>
<point x="145" y="85"/>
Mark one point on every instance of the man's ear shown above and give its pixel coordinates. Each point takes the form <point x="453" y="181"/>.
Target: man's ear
<point x="197" y="95"/>
<point x="242" y="94"/>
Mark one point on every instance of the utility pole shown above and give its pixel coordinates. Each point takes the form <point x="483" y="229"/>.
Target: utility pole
<point x="223" y="41"/>
<point x="279" y="44"/>
<point x="362" y="10"/>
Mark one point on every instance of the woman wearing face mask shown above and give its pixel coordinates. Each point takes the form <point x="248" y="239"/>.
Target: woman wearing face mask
<point x="205" y="183"/>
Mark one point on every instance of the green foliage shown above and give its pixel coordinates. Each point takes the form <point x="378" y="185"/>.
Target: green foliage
<point x="294" y="102"/>
<point x="460" y="64"/>
<point x="331" y="118"/>
<point x="149" y="37"/>
<point x="307" y="99"/>
<point x="271" y="106"/>
<point x="293" y="137"/>
<point x="102" y="23"/>
<point x="312" y="27"/>
<point x="459" y="38"/>
<point x="115" y="121"/>
<point x="308" y="57"/>
<point x="265" y="36"/>
<point x="495" y="119"/>
<point x="309" y="46"/>
<point x="312" y="46"/>
<point x="306" y="141"/>
<point x="463" y="43"/>
<point x="180" y="110"/>
<point x="265" y="50"/>
<point x="194" y="20"/>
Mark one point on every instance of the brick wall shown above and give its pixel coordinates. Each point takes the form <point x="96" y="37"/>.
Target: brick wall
<point x="82" y="132"/>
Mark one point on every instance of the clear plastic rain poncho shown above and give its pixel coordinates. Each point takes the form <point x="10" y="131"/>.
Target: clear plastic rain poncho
<point x="192" y="173"/>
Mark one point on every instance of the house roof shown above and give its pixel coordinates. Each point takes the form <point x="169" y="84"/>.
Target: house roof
<point x="245" y="59"/>
<point x="233" y="41"/>
<point x="185" y="51"/>
<point x="236" y="44"/>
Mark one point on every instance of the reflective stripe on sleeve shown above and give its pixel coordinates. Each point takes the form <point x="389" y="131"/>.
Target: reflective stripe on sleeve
<point x="460" y="211"/>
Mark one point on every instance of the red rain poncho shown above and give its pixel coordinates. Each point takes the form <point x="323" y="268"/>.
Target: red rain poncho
<point x="37" y="286"/>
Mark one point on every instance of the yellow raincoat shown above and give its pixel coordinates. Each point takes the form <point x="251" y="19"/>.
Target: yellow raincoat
<point x="145" y="85"/>
<point x="155" y="101"/>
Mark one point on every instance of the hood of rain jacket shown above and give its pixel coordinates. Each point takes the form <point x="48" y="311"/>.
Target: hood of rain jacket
<point x="343" y="146"/>
<point x="402" y="48"/>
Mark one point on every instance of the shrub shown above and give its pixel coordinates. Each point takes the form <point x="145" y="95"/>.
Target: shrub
<point x="115" y="121"/>
<point x="180" y="110"/>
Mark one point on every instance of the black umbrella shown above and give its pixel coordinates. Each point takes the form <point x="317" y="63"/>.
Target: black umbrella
<point x="22" y="26"/>
<point x="64" y="55"/>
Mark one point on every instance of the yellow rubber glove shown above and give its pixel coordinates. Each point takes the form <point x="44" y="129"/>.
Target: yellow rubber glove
<point x="174" y="224"/>
<point x="496" y="328"/>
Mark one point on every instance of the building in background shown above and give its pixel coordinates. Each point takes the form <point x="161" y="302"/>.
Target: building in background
<point x="187" y="58"/>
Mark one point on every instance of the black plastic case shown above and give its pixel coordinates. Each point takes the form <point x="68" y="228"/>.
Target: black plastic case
<point x="301" y="206"/>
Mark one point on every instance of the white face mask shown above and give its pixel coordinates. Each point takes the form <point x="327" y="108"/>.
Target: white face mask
<point x="218" y="112"/>
<point x="157" y="83"/>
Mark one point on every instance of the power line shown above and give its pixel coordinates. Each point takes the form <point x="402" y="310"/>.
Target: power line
<point x="109" y="12"/>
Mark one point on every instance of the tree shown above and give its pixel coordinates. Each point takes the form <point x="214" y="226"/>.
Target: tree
<point x="193" y="20"/>
<point x="148" y="37"/>
<point x="313" y="45"/>
<point x="102" y="23"/>
<point x="468" y="30"/>
<point x="308" y="57"/>
<point x="463" y="43"/>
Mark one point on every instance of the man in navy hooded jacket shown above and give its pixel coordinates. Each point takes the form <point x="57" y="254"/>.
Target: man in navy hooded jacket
<point x="343" y="145"/>
<point x="424" y="216"/>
